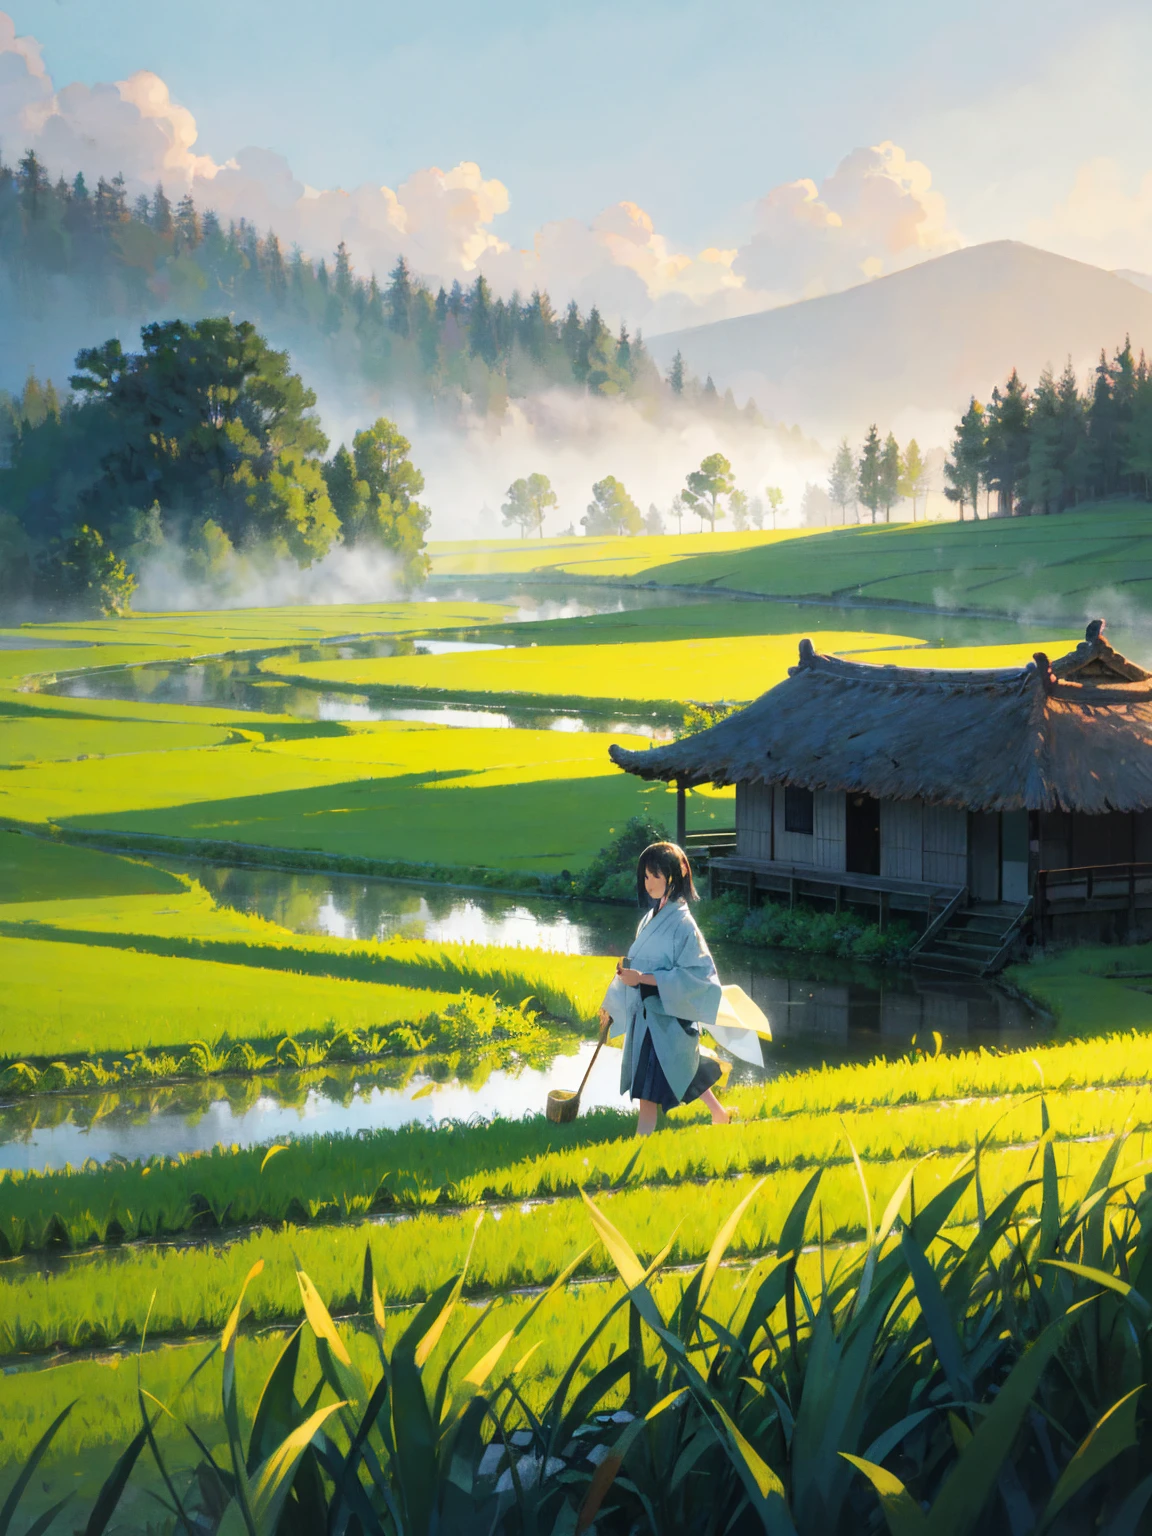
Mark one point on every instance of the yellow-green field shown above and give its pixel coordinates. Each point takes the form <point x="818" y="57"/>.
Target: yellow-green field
<point x="736" y="668"/>
<point x="612" y="558"/>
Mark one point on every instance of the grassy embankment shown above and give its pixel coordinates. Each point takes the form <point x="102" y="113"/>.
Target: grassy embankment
<point x="133" y="959"/>
<point x="1095" y="558"/>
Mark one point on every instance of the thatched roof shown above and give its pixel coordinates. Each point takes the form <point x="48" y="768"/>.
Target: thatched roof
<point x="1074" y="734"/>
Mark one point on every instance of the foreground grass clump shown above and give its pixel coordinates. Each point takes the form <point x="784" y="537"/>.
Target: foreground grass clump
<point x="991" y="1382"/>
<point x="775" y="926"/>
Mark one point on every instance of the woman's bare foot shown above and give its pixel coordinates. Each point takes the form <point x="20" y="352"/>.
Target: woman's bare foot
<point x="720" y="1115"/>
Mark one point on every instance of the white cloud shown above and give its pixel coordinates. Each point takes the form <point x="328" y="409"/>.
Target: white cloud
<point x="876" y="212"/>
<point x="1105" y="218"/>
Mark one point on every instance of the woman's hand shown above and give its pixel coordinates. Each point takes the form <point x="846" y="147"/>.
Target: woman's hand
<point x="630" y="978"/>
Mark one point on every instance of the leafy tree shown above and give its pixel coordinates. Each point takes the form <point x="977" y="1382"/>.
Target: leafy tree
<point x="611" y="509"/>
<point x="207" y="420"/>
<point x="775" y="498"/>
<point x="653" y="521"/>
<point x="738" y="506"/>
<point x="679" y="506"/>
<point x="842" y="480"/>
<point x="962" y="469"/>
<point x="911" y="475"/>
<point x="869" y="481"/>
<point x="706" y="485"/>
<point x="756" y="512"/>
<point x="527" y="502"/>
<point x="83" y="577"/>
<point x="386" y="514"/>
<point x="815" y="507"/>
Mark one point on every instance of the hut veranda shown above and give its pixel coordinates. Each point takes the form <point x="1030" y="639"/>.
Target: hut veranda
<point x="990" y="807"/>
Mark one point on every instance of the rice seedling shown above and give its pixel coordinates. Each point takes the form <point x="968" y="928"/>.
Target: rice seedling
<point x="99" y="1299"/>
<point x="327" y="1178"/>
<point x="992" y="1379"/>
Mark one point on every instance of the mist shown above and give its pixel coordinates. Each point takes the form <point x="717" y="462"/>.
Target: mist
<point x="260" y="579"/>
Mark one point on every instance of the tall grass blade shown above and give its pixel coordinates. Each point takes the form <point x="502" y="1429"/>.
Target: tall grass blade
<point x="901" y="1511"/>
<point x="1111" y="1435"/>
<point x="28" y="1471"/>
<point x="606" y="1473"/>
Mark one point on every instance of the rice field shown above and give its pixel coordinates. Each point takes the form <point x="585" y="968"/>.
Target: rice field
<point x="665" y="672"/>
<point x="104" y="953"/>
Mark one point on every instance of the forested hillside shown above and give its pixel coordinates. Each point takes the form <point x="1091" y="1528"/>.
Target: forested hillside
<point x="152" y="258"/>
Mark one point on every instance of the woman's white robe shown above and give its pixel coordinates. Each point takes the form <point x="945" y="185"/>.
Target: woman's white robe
<point x="668" y="946"/>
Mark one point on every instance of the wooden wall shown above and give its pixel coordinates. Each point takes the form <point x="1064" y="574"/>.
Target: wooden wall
<point x="917" y="841"/>
<point x="945" y="859"/>
<point x="754" y="821"/>
<point x="902" y="839"/>
<point x="825" y="847"/>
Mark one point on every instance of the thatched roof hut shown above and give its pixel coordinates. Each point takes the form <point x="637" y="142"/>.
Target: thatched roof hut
<point x="916" y="782"/>
<point x="1071" y="735"/>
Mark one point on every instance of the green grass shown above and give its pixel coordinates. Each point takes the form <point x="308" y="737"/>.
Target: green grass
<point x="146" y="637"/>
<point x="116" y="973"/>
<point x="612" y="558"/>
<point x="506" y="799"/>
<point x="79" y="999"/>
<point x="667" y="672"/>
<point x="331" y="1177"/>
<point x="35" y="870"/>
<point x="94" y="1299"/>
<point x="1094" y="557"/>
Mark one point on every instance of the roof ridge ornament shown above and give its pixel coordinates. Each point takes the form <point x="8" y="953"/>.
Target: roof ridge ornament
<point x="1044" y="668"/>
<point x="807" y="653"/>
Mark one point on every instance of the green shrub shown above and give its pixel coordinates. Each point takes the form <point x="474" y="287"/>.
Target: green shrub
<point x="774" y="926"/>
<point x="611" y="876"/>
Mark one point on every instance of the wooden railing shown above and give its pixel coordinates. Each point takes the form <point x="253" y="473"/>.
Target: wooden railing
<point x="1115" y="884"/>
<point x="720" y="840"/>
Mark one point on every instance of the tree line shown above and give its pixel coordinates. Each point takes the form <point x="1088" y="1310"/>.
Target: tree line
<point x="129" y="258"/>
<point x="203" y="446"/>
<point x="613" y="511"/>
<point x="1046" y="449"/>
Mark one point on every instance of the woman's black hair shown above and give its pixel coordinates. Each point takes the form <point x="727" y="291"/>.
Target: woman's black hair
<point x="670" y="861"/>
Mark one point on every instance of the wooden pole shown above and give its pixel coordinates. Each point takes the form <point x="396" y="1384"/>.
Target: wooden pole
<point x="681" y="813"/>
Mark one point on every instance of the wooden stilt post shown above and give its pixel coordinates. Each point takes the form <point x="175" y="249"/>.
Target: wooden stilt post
<point x="681" y="813"/>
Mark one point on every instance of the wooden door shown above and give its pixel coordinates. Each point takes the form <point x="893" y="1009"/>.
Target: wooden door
<point x="984" y="855"/>
<point x="862" y="834"/>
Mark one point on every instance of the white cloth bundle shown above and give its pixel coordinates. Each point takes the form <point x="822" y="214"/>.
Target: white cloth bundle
<point x="740" y="1026"/>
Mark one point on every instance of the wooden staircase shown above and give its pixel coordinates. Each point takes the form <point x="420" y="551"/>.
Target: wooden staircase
<point x="971" y="938"/>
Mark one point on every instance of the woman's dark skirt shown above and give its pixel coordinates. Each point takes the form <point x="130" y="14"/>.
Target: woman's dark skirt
<point x="649" y="1082"/>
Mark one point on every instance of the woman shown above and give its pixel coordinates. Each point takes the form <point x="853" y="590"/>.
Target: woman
<point x="664" y="990"/>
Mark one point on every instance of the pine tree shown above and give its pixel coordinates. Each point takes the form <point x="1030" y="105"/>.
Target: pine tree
<point x="189" y="231"/>
<point x="869" y="485"/>
<point x="962" y="469"/>
<point x="842" y="480"/>
<point x="911" y="475"/>
<point x="676" y="375"/>
<point x="889" y="476"/>
<point x="1005" y="465"/>
<point x="161" y="212"/>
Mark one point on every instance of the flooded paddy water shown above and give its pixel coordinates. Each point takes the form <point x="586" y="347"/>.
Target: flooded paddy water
<point x="821" y="1010"/>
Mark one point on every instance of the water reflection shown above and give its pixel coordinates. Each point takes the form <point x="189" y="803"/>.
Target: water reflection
<point x="821" y="1008"/>
<point x="240" y="684"/>
<point x="196" y="1117"/>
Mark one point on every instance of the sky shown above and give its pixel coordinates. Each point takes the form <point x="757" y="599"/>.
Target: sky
<point x="675" y="162"/>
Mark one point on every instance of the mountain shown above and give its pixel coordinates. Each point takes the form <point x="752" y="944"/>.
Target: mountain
<point x="911" y="349"/>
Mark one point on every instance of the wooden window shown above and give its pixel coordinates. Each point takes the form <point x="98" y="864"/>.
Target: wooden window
<point x="798" y="810"/>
